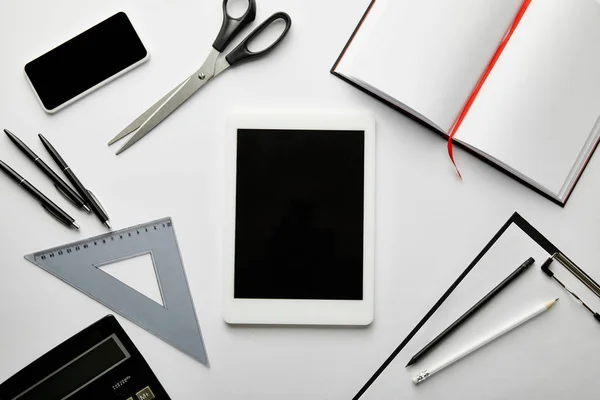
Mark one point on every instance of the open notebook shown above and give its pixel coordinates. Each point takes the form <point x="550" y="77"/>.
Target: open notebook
<point x="535" y="114"/>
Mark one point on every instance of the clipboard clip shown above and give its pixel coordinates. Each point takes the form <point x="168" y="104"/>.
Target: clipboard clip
<point x="578" y="273"/>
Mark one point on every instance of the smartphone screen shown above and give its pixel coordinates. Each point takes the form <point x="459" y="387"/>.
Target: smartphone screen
<point x="80" y="65"/>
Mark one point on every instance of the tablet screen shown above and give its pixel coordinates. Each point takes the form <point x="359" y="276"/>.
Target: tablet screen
<point x="299" y="214"/>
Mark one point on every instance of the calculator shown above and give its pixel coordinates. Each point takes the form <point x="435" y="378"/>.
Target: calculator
<point x="100" y="362"/>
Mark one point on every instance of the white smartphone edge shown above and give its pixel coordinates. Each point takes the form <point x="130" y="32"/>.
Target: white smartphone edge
<point x="93" y="88"/>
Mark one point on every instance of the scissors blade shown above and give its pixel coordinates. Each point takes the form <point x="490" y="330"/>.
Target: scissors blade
<point x="169" y="103"/>
<point x="177" y="98"/>
<point x="140" y="120"/>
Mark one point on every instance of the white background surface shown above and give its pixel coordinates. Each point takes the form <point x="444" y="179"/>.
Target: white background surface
<point x="429" y="225"/>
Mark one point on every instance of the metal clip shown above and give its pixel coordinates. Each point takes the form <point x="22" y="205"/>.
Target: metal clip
<point x="96" y="200"/>
<point x="578" y="272"/>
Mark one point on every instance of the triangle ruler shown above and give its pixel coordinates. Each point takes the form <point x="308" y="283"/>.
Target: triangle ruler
<point x="79" y="264"/>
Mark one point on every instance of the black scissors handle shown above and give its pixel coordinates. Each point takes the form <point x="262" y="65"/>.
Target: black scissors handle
<point x="232" y="26"/>
<point x="242" y="54"/>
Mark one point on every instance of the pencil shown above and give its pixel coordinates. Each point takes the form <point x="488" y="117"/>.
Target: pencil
<point x="501" y="286"/>
<point x="427" y="373"/>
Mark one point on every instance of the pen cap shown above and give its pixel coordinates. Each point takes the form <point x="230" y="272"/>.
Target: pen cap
<point x="26" y="150"/>
<point x="53" y="153"/>
<point x="11" y="173"/>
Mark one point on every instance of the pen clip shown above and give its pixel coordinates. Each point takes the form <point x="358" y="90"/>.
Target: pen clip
<point x="93" y="196"/>
<point x="54" y="214"/>
<point x="71" y="200"/>
<point x="65" y="195"/>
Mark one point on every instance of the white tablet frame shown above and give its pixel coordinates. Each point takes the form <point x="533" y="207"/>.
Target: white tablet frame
<point x="287" y="311"/>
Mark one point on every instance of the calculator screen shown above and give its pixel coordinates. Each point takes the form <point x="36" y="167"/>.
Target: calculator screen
<point x="100" y="362"/>
<point x="79" y="372"/>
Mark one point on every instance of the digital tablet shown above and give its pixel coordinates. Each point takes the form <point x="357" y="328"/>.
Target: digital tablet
<point x="299" y="223"/>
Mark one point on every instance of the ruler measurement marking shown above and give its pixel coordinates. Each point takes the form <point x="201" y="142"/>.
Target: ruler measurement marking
<point x="102" y="239"/>
<point x="76" y="265"/>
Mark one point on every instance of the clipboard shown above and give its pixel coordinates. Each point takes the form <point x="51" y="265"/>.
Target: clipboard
<point x="525" y="229"/>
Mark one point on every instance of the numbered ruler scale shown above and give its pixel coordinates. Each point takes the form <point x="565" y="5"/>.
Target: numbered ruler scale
<point x="79" y="263"/>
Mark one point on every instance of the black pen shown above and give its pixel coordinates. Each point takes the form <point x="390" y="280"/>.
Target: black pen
<point x="471" y="311"/>
<point x="59" y="184"/>
<point x="89" y="197"/>
<point x="45" y="202"/>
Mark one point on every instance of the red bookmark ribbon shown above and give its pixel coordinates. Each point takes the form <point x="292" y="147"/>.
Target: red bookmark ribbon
<point x="486" y="73"/>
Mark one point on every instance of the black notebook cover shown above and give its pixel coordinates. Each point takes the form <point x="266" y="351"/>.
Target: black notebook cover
<point x="442" y="134"/>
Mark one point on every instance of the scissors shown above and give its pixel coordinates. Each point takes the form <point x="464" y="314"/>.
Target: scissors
<point x="212" y="67"/>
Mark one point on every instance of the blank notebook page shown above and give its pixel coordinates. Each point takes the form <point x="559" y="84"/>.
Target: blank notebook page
<point x="428" y="54"/>
<point x="540" y="103"/>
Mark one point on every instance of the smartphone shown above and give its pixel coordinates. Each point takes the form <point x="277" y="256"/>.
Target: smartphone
<point x="86" y="62"/>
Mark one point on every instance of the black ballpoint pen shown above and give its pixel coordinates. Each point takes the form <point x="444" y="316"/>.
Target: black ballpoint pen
<point x="89" y="197"/>
<point x="502" y="285"/>
<point x="45" y="202"/>
<point x="59" y="184"/>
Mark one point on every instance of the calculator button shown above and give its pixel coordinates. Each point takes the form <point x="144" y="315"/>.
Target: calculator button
<point x="145" y="394"/>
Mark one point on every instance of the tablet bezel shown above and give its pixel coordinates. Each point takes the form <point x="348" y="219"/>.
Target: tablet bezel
<point x="292" y="311"/>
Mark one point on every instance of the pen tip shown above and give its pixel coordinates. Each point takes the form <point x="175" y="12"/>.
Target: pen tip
<point x="107" y="224"/>
<point x="74" y="225"/>
<point x="87" y="209"/>
<point x="10" y="135"/>
<point x="411" y="362"/>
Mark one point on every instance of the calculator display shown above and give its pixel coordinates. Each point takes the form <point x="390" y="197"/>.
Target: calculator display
<point x="79" y="372"/>
<point x="99" y="363"/>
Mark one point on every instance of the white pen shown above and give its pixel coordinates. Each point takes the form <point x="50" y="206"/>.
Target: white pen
<point x="423" y="375"/>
